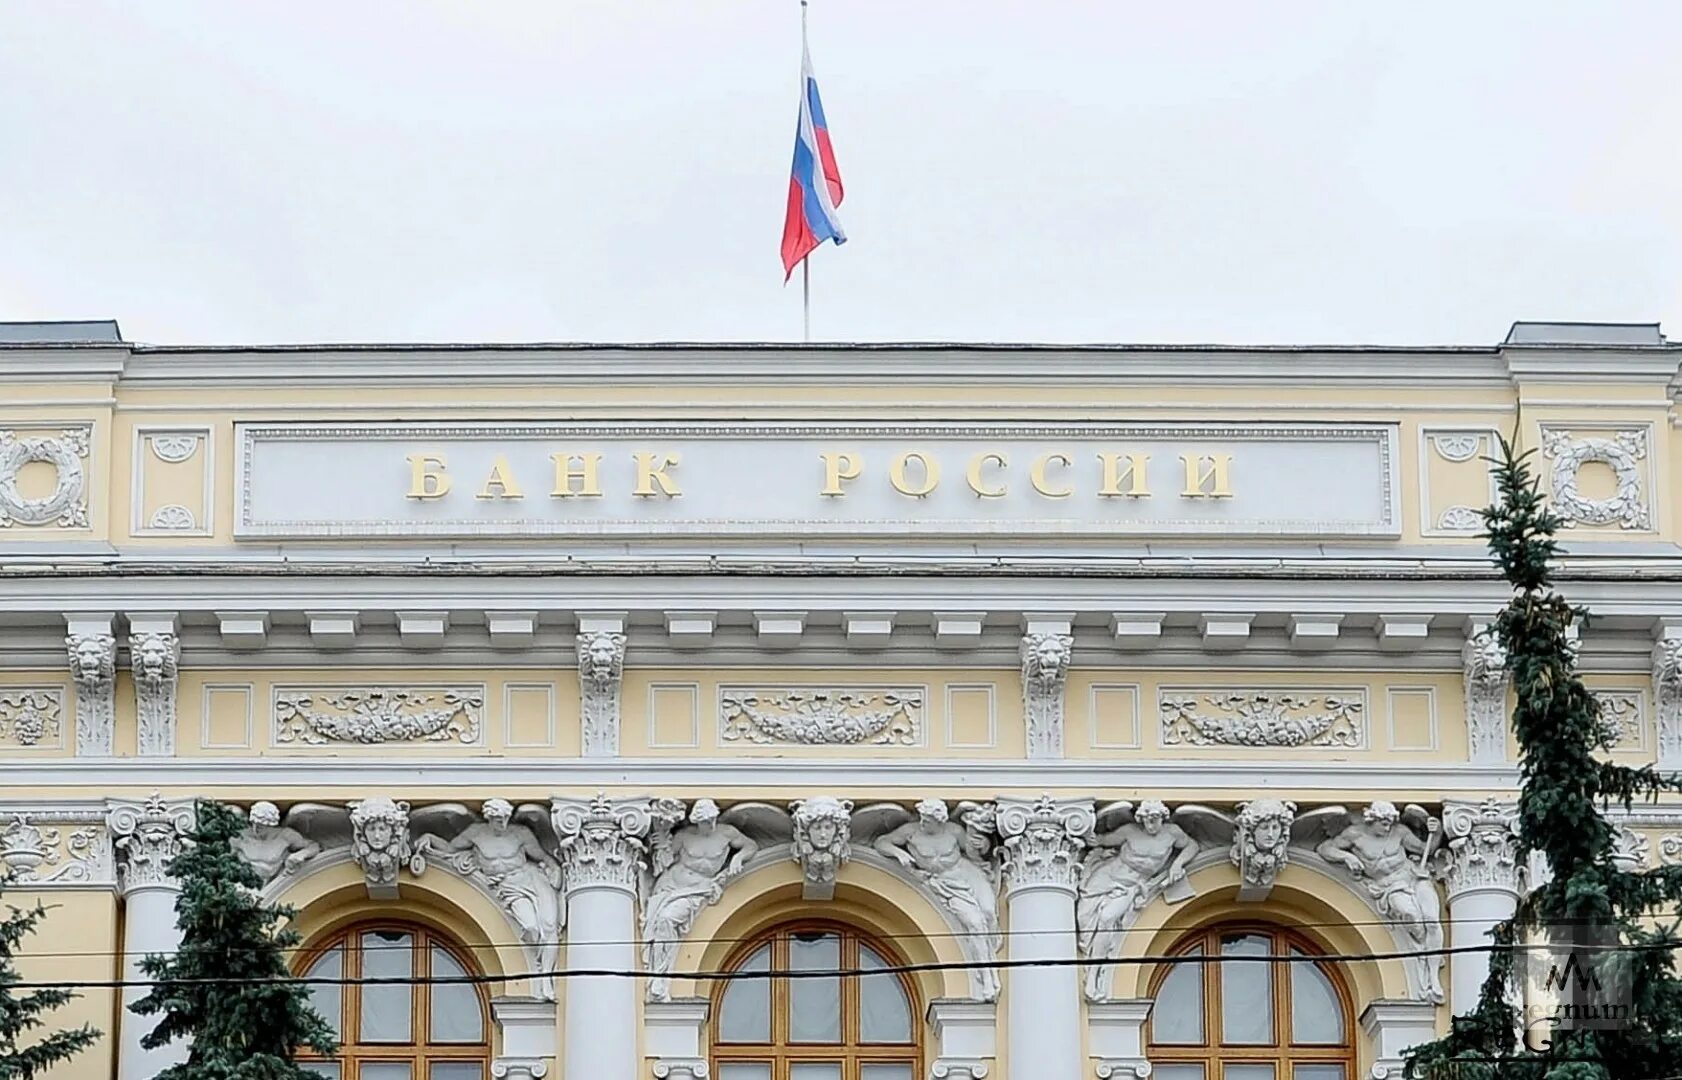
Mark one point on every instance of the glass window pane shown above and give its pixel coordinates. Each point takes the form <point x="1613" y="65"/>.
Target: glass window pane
<point x="1177" y="1016"/>
<point x="815" y="1070"/>
<point x="745" y="1015"/>
<point x="886" y="1072"/>
<point x="385" y="1070"/>
<point x="1247" y="1072"/>
<point x="329" y="999"/>
<point x="1317" y="1072"/>
<point x="743" y="1070"/>
<point x="1246" y="994"/>
<point x="1179" y="1070"/>
<point x="814" y="1005"/>
<point x="1316" y="1010"/>
<point x="456" y="1070"/>
<point x="329" y="1069"/>
<point x="884" y="1013"/>
<point x="386" y="954"/>
<point x="455" y="1006"/>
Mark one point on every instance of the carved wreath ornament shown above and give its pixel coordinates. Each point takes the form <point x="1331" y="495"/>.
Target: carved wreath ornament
<point x="379" y="716"/>
<point x="66" y="504"/>
<point x="1621" y="453"/>
<point x="1263" y="719"/>
<point x="823" y="717"/>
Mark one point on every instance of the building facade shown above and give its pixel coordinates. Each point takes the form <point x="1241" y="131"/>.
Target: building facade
<point x="1032" y="688"/>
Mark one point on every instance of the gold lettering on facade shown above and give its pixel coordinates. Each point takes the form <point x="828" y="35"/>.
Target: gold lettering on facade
<point x="587" y="472"/>
<point x="1206" y="476"/>
<point x="1133" y="475"/>
<point x="979" y="485"/>
<point x="500" y="483"/>
<point x="1036" y="475"/>
<point x="839" y="466"/>
<point x="651" y="470"/>
<point x="930" y="474"/>
<point x="427" y="478"/>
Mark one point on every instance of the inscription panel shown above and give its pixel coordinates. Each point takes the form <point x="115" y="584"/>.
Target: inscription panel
<point x="401" y="480"/>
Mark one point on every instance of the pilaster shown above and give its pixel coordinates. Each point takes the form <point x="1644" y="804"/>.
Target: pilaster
<point x="674" y="1038"/>
<point x="1116" y="1038"/>
<point x="528" y="1038"/>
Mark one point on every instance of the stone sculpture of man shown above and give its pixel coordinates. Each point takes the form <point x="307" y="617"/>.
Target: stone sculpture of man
<point x="1128" y="865"/>
<point x="1390" y="863"/>
<point x="270" y="847"/>
<point x="521" y="875"/>
<point x="692" y="865"/>
<point x="948" y="858"/>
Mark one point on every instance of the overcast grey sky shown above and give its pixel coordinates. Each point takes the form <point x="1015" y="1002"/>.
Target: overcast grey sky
<point x="1062" y="171"/>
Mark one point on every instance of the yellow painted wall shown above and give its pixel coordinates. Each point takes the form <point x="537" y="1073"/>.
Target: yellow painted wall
<point x="76" y="942"/>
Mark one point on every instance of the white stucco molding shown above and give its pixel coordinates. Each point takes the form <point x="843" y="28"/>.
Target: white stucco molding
<point x="959" y="776"/>
<point x="62" y="844"/>
<point x="528" y="1038"/>
<point x="674" y="1038"/>
<point x="1393" y="1027"/>
<point x="1116" y="1038"/>
<point x="965" y="1038"/>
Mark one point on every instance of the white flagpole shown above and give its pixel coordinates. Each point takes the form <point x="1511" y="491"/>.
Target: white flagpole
<point x="806" y="262"/>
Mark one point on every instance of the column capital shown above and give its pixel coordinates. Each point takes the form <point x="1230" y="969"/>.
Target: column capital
<point x="686" y="1068"/>
<point x="1043" y="839"/>
<point x="147" y="835"/>
<point x="519" y="1068"/>
<point x="602" y="840"/>
<point x="1482" y="847"/>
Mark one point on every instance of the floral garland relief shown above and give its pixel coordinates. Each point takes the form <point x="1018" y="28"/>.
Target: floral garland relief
<point x="368" y="716"/>
<point x="823" y="717"/>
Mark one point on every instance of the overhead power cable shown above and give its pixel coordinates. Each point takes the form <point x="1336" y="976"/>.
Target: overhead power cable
<point x="822" y="973"/>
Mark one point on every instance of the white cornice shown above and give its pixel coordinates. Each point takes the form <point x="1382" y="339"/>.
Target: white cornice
<point x="587" y="775"/>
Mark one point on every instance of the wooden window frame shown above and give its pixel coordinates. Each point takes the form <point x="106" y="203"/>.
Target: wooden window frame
<point x="1213" y="1053"/>
<point x="851" y="1052"/>
<point x="420" y="1053"/>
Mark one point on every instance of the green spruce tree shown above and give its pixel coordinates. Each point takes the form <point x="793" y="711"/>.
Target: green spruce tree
<point x="1630" y="917"/>
<point x="228" y="988"/>
<point x="23" y="1014"/>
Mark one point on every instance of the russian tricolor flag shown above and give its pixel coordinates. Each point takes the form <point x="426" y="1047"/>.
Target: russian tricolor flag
<point x="814" y="191"/>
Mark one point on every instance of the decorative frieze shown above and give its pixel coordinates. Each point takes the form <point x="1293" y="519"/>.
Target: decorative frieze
<point x="1484" y="664"/>
<point x="52" y="848"/>
<point x="1623" y="452"/>
<point x="601" y="671"/>
<point x="146" y="837"/>
<point x="154" y="656"/>
<point x="1623" y="718"/>
<point x="66" y="505"/>
<point x="92" y="650"/>
<point x="32" y="717"/>
<point x="851" y="716"/>
<point x="1045" y="675"/>
<point x="1333" y="719"/>
<point x="373" y="715"/>
<point x="601" y="840"/>
<point x="1482" y="847"/>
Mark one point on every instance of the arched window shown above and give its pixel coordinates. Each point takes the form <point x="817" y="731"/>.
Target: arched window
<point x="397" y="1031"/>
<point x="1233" y="1016"/>
<point x="825" y="1028"/>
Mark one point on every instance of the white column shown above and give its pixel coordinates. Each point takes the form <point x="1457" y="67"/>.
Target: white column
<point x="1043" y="839"/>
<point x="1484" y="881"/>
<point x="146" y="836"/>
<point x="601" y="852"/>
